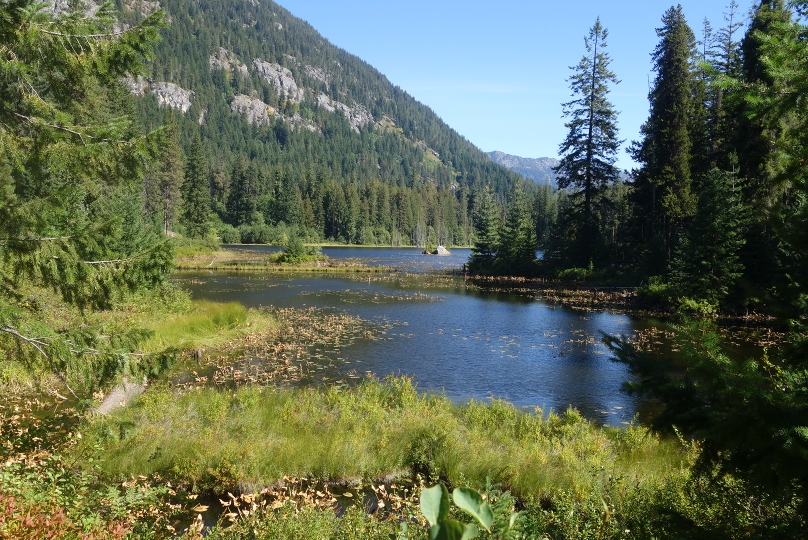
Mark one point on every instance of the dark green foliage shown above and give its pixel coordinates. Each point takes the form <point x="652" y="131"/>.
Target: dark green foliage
<point x="722" y="55"/>
<point x="71" y="161"/>
<point x="243" y="197"/>
<point x="295" y="252"/>
<point x="517" y="243"/>
<point x="748" y="415"/>
<point x="707" y="263"/>
<point x="663" y="185"/>
<point x="163" y="181"/>
<point x="589" y="150"/>
<point x="487" y="225"/>
<point x="195" y="193"/>
<point x="748" y="233"/>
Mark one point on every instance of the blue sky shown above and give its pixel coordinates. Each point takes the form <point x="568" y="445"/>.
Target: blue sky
<point x="496" y="71"/>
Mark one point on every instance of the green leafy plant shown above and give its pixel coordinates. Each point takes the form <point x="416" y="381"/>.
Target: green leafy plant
<point x="435" y="506"/>
<point x="697" y="306"/>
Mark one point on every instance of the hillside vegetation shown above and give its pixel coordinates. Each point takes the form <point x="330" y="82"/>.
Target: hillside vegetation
<point x="298" y="131"/>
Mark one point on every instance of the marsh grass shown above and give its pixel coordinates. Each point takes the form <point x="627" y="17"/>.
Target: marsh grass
<point x="252" y="437"/>
<point x="204" y="324"/>
<point x="292" y="523"/>
<point x="248" y="260"/>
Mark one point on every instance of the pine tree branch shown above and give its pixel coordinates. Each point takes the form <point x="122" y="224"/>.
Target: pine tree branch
<point x="80" y="135"/>
<point x="84" y="36"/>
<point x="39" y="345"/>
<point x="52" y="239"/>
<point x="116" y="261"/>
<point x="34" y="342"/>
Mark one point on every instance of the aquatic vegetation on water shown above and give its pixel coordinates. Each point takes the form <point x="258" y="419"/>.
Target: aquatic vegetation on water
<point x="302" y="342"/>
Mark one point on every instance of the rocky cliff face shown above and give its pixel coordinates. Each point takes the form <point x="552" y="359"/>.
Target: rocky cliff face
<point x="358" y="116"/>
<point x="279" y="77"/>
<point x="172" y="95"/>
<point x="252" y="109"/>
<point x="224" y="59"/>
<point x="540" y="170"/>
<point x="257" y="112"/>
<point x="168" y="94"/>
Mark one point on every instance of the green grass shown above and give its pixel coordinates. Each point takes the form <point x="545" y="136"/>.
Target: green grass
<point x="252" y="437"/>
<point x="203" y="324"/>
<point x="291" y="523"/>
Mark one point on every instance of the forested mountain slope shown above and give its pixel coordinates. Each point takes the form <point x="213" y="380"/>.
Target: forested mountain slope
<point x="324" y="135"/>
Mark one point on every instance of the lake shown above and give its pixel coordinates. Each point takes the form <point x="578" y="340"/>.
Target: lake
<point x="449" y="337"/>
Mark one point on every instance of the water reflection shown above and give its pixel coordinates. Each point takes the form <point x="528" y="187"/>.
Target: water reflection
<point x="460" y="341"/>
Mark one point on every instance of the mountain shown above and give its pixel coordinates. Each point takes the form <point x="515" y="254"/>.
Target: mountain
<point x="539" y="170"/>
<point x="258" y="84"/>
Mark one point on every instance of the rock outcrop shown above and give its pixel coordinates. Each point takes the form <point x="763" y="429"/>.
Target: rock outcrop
<point x="172" y="95"/>
<point x="252" y="109"/>
<point x="122" y="395"/>
<point x="317" y="74"/>
<point x="358" y="116"/>
<point x="137" y="85"/>
<point x="281" y="78"/>
<point x="224" y="59"/>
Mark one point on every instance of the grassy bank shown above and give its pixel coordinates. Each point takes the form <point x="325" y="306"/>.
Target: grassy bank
<point x="250" y="438"/>
<point x="224" y="259"/>
<point x="570" y="478"/>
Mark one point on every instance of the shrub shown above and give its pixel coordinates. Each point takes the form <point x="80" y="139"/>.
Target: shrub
<point x="229" y="234"/>
<point x="697" y="306"/>
<point x="295" y="252"/>
<point x="655" y="293"/>
<point x="573" y="274"/>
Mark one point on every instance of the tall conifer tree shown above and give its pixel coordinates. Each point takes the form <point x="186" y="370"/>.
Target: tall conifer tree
<point x="757" y="131"/>
<point x="164" y="179"/>
<point x="589" y="150"/>
<point x="706" y="265"/>
<point x="663" y="186"/>
<point x="242" y="199"/>
<point x="71" y="166"/>
<point x="517" y="241"/>
<point x="755" y="135"/>
<point x="196" y="192"/>
<point x="487" y="224"/>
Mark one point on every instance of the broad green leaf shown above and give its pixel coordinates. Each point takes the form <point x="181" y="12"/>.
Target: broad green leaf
<point x="472" y="503"/>
<point x="450" y="529"/>
<point x="435" y="503"/>
<point x="469" y="531"/>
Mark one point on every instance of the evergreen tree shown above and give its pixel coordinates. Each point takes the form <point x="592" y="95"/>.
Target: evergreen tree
<point x="664" y="195"/>
<point x="163" y="181"/>
<point x="722" y="54"/>
<point x="589" y="150"/>
<point x="487" y="225"/>
<point x="777" y="103"/>
<point x="754" y="135"/>
<point x="517" y="243"/>
<point x="71" y="216"/>
<point x="242" y="199"/>
<point x="707" y="263"/>
<point x="759" y="131"/>
<point x="749" y="415"/>
<point x="195" y="193"/>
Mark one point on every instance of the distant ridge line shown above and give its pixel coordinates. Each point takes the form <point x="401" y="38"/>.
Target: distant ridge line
<point x="538" y="170"/>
